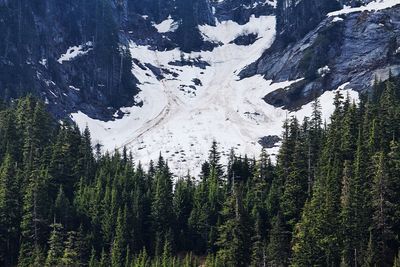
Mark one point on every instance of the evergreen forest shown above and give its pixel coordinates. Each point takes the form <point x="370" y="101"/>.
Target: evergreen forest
<point x="331" y="199"/>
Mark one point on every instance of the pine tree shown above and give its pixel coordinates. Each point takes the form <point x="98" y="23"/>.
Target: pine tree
<point x="277" y="249"/>
<point x="10" y="136"/>
<point x="142" y="259"/>
<point x="85" y="164"/>
<point x="293" y="197"/>
<point x="198" y="220"/>
<point x="370" y="259"/>
<point x="127" y="262"/>
<point x="396" y="261"/>
<point x="305" y="249"/>
<point x="234" y="239"/>
<point x="348" y="216"/>
<point x="325" y="201"/>
<point x="183" y="205"/>
<point x="104" y="260"/>
<point x="382" y="209"/>
<point x="71" y="255"/>
<point x="119" y="244"/>
<point x="394" y="170"/>
<point x="55" y="252"/>
<point x="258" y="251"/>
<point x="61" y="207"/>
<point x="34" y="214"/>
<point x="361" y="202"/>
<point x="9" y="211"/>
<point x="93" y="261"/>
<point x="167" y="253"/>
<point x="214" y="160"/>
<point x="162" y="212"/>
<point x="315" y="135"/>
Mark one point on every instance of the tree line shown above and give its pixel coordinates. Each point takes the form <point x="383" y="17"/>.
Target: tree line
<point x="331" y="199"/>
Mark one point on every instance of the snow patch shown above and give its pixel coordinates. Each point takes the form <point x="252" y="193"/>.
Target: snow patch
<point x="227" y="31"/>
<point x="326" y="101"/>
<point x="43" y="62"/>
<point x="74" y="88"/>
<point x="337" y="19"/>
<point x="372" y="6"/>
<point x="323" y="71"/>
<point x="75" y="51"/>
<point x="168" y="25"/>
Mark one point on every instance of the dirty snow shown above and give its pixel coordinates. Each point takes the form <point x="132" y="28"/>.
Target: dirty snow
<point x="180" y="119"/>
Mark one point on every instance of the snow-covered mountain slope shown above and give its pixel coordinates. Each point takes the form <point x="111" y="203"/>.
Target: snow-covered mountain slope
<point x="190" y="99"/>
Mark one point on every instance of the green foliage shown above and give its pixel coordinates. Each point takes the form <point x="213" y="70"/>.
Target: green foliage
<point x="55" y="252"/>
<point x="331" y="199"/>
<point x="233" y="233"/>
<point x="72" y="250"/>
<point x="9" y="209"/>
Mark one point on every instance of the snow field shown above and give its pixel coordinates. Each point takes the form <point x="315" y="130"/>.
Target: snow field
<point x="180" y="119"/>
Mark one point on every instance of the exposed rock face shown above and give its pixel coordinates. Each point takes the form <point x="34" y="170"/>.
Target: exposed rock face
<point x="355" y="3"/>
<point x="245" y="39"/>
<point x="202" y="12"/>
<point x="353" y="49"/>
<point x="269" y="141"/>
<point x="94" y="75"/>
<point x="240" y="11"/>
<point x="295" y="18"/>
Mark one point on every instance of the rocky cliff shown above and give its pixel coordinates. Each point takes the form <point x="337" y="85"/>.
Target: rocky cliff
<point x="73" y="54"/>
<point x="348" y="49"/>
<point x="295" y="18"/>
